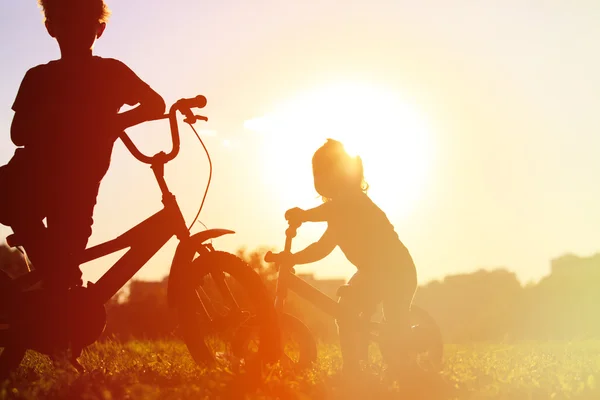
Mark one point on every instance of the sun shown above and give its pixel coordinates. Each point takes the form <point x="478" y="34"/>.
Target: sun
<point x="392" y="137"/>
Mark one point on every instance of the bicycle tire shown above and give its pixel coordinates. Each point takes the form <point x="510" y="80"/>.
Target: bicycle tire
<point x="195" y="332"/>
<point x="427" y="337"/>
<point x="291" y="329"/>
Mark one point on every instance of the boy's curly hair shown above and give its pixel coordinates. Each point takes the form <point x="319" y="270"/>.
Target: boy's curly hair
<point x="94" y="9"/>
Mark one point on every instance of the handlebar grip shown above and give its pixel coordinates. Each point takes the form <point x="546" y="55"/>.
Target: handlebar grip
<point x="269" y="257"/>
<point x="291" y="231"/>
<point x="195" y="102"/>
<point x="184" y="106"/>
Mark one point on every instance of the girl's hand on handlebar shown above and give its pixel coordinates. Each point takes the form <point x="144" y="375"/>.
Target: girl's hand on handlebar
<point x="295" y="216"/>
<point x="283" y="258"/>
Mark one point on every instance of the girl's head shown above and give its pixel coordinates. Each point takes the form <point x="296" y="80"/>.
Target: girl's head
<point x="335" y="172"/>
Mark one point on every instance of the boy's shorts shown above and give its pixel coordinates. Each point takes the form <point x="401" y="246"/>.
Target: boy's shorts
<point x="32" y="193"/>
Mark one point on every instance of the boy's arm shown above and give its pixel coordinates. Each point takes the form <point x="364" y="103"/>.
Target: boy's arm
<point x="24" y="123"/>
<point x="27" y="124"/>
<point x="135" y="91"/>
<point x="20" y="126"/>
<point x="151" y="105"/>
<point x="316" y="251"/>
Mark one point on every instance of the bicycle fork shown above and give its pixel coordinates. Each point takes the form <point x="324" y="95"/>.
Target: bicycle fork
<point x="285" y="270"/>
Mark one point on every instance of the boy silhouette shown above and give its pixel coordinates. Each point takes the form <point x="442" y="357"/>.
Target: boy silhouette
<point x="65" y="124"/>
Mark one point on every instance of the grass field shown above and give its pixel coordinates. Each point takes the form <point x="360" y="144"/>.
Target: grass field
<point x="164" y="370"/>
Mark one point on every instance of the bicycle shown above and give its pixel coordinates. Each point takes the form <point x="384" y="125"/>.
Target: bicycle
<point x="196" y="265"/>
<point x="298" y="343"/>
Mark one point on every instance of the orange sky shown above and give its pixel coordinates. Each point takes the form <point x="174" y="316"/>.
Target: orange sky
<point x="508" y="91"/>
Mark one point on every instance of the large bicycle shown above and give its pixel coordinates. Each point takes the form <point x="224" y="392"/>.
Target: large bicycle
<point x="298" y="343"/>
<point x="213" y="292"/>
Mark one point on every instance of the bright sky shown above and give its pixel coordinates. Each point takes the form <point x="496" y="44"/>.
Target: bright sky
<point x="477" y="121"/>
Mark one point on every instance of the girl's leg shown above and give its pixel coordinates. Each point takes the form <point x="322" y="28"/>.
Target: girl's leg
<point x="348" y="333"/>
<point x="352" y="333"/>
<point x="396" y="308"/>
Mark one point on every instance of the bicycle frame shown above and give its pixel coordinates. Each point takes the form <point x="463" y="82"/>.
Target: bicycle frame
<point x="144" y="240"/>
<point x="287" y="279"/>
<point x="427" y="340"/>
<point x="147" y="238"/>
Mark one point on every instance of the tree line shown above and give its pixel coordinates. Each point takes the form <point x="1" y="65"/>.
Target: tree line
<point x="480" y="306"/>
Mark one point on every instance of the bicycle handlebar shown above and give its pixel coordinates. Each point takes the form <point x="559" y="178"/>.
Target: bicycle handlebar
<point x="290" y="233"/>
<point x="184" y="106"/>
<point x="270" y="257"/>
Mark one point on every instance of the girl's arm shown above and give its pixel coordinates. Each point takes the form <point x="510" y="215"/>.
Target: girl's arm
<point x="316" y="251"/>
<point x="318" y="214"/>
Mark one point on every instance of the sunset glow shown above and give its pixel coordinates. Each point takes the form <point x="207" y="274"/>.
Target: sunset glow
<point x="392" y="137"/>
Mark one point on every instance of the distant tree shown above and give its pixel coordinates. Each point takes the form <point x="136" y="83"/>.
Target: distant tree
<point x="473" y="307"/>
<point x="144" y="313"/>
<point x="564" y="304"/>
<point x="255" y="259"/>
<point x="480" y="306"/>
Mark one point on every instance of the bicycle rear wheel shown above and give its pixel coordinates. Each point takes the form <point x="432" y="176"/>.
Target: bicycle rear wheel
<point x="427" y="341"/>
<point x="224" y="292"/>
<point x="426" y="346"/>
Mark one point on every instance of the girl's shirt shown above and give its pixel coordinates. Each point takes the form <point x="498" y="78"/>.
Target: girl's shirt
<point x="365" y="235"/>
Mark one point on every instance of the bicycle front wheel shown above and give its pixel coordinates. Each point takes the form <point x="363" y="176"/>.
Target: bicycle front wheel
<point x="425" y="346"/>
<point x="299" y="348"/>
<point x="224" y="293"/>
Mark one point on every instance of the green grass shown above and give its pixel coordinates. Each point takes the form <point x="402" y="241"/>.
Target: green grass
<point x="164" y="370"/>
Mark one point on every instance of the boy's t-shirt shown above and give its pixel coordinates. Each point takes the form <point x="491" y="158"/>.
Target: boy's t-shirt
<point x="78" y="100"/>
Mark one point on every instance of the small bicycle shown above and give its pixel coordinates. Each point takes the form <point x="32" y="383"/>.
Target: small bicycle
<point x="205" y="322"/>
<point x="298" y="344"/>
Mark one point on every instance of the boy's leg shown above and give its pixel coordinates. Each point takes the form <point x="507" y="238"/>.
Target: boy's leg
<point x="32" y="235"/>
<point x="69" y="228"/>
<point x="22" y="204"/>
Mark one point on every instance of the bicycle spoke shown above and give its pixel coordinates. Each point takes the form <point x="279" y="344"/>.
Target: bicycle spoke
<point x="205" y="304"/>
<point x="201" y="310"/>
<point x="223" y="288"/>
